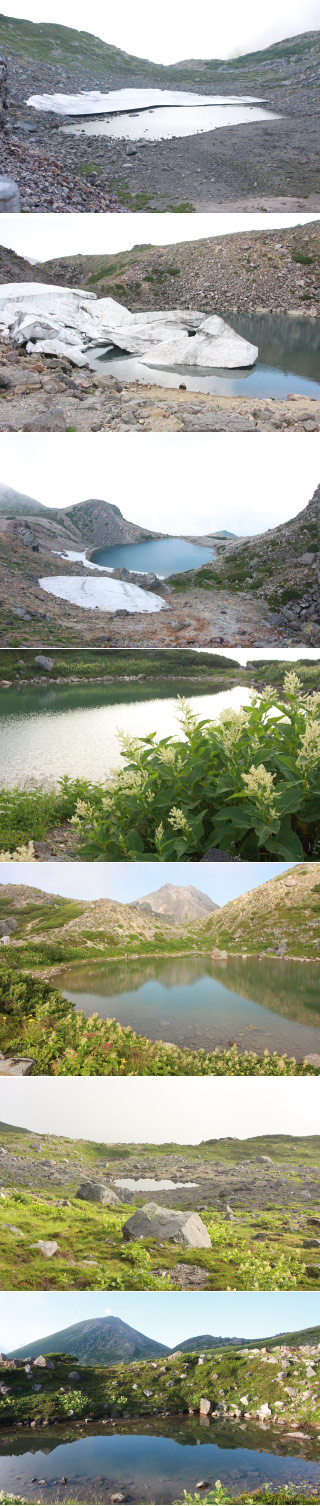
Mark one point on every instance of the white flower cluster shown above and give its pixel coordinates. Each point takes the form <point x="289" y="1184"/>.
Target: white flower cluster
<point x="260" y="788"/>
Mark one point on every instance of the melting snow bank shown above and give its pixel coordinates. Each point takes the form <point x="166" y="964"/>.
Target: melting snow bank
<point x="67" y="322"/>
<point x="74" y="556"/>
<point x="106" y="595"/>
<point x="95" y="103"/>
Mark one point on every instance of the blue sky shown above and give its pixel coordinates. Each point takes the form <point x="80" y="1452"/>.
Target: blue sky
<point x="167" y="1316"/>
<point x="129" y="881"/>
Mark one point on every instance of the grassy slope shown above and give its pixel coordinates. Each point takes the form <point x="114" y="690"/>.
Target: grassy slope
<point x="172" y="1384"/>
<point x="245" y="1252"/>
<point x="285" y="909"/>
<point x="63" y="45"/>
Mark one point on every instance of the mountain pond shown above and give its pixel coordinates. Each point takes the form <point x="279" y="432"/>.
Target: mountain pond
<point x="151" y="1460"/>
<point x="199" y="1003"/>
<point x="171" y="115"/>
<point x="288" y="361"/>
<point x="47" y="731"/>
<point x="163" y="556"/>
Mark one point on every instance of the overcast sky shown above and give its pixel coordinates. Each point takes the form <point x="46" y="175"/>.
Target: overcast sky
<point x="48" y="235"/>
<point x="179" y="31"/>
<point x="190" y="483"/>
<point x="155" y="1110"/>
<point x="129" y="881"/>
<point x="169" y="1317"/>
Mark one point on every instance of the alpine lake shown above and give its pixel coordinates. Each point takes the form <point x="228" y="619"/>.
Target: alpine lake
<point x="151" y="1461"/>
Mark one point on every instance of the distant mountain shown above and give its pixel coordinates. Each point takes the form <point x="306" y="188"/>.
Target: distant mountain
<point x="181" y="902"/>
<point x="97" y="1341"/>
<point x="12" y="502"/>
<point x="109" y="1341"/>
<point x="101" y="524"/>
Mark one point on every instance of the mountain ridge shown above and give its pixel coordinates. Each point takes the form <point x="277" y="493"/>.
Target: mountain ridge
<point x="92" y="1336"/>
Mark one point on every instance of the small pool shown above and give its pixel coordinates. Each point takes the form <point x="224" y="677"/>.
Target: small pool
<point x="150" y="1184"/>
<point x="168" y="121"/>
<point x="163" y="556"/>
<point x="288" y="361"/>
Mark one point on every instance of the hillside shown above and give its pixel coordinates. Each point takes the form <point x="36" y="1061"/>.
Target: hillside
<point x="109" y="1341"/>
<point x="180" y="902"/>
<point x="105" y="924"/>
<point x="281" y="566"/>
<point x="97" y="1341"/>
<point x="247" y="270"/>
<point x="92" y="524"/>
<point x="14" y="503"/>
<point x="281" y="915"/>
<point x="83" y="52"/>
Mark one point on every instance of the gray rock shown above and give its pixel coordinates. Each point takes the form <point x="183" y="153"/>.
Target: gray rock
<point x="154" y="1222"/>
<point x="43" y="663"/>
<point x="74" y="1375"/>
<point x="217" y="855"/>
<point x="264" y="1412"/>
<point x="95" y="1192"/>
<point x="16" y="1066"/>
<point x="313" y="1060"/>
<point x="47" y="1247"/>
<point x="42" y="1363"/>
<point x="7" y="927"/>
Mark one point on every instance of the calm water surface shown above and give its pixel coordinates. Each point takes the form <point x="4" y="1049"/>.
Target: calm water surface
<point x="163" y="556"/>
<point x="288" y="361"/>
<point x="149" y="1464"/>
<point x="196" y="1002"/>
<point x="51" y="730"/>
<point x="166" y="121"/>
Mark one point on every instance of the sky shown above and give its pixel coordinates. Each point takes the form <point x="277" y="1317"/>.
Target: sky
<point x="43" y="236"/>
<point x="185" y="31"/>
<point x="129" y="881"/>
<point x="159" y="1110"/>
<point x="169" y="1317"/>
<point x="193" y="483"/>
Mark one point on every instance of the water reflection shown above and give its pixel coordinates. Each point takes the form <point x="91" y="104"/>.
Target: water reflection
<point x="196" y="1002"/>
<point x="152" y="1461"/>
<point x="289" y="361"/>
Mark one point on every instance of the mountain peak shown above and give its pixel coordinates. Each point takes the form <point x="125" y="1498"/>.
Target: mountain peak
<point x="181" y="902"/>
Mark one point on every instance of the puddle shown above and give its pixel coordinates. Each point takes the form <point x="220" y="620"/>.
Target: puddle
<point x="150" y="1184"/>
<point x="169" y="122"/>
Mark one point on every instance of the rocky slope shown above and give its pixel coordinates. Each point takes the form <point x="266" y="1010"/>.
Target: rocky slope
<point x="112" y="922"/>
<point x="281" y="567"/>
<point x="179" y="902"/>
<point x="275" y="270"/>
<point x="280" y="916"/>
<point x="271" y="165"/>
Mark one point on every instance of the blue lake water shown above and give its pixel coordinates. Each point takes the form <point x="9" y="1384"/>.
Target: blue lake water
<point x="195" y="1002"/>
<point x="289" y="361"/>
<point x="150" y="1464"/>
<point x="163" y="556"/>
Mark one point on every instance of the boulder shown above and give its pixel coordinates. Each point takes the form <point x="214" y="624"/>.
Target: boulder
<point x="42" y="1363"/>
<point x="153" y="1222"/>
<point x="16" y="1066"/>
<point x="47" y="1247"/>
<point x="95" y="1192"/>
<point x="207" y="1407"/>
<point x="7" y="927"/>
<point x="42" y="662"/>
<point x="264" y="1412"/>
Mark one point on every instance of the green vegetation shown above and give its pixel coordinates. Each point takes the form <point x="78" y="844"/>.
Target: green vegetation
<point x="36" y="1020"/>
<point x="248" y="784"/>
<point x="173" y="1383"/>
<point x="288" y="1495"/>
<point x="284" y="910"/>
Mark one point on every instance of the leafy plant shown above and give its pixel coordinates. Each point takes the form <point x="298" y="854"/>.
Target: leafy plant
<point x="248" y="783"/>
